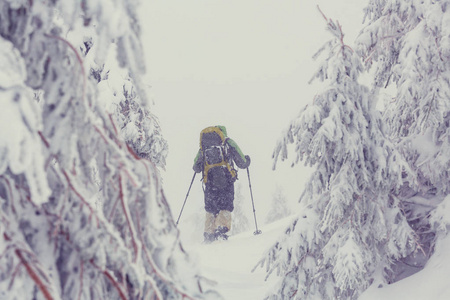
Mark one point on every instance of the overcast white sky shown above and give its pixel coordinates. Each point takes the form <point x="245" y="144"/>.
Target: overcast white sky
<point x="244" y="64"/>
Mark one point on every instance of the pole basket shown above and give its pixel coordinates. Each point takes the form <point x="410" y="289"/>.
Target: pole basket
<point x="257" y="232"/>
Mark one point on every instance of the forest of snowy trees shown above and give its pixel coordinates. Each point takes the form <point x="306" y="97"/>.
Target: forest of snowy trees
<point x="83" y="213"/>
<point x="377" y="198"/>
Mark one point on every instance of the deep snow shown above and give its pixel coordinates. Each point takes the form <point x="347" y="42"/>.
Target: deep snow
<point x="430" y="283"/>
<point x="228" y="264"/>
<point x="227" y="267"/>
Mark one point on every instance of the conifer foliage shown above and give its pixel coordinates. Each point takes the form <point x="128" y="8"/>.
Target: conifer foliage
<point x="279" y="207"/>
<point x="66" y="150"/>
<point x="408" y="44"/>
<point x="351" y="225"/>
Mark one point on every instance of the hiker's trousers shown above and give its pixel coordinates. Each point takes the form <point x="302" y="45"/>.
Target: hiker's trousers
<point x="219" y="199"/>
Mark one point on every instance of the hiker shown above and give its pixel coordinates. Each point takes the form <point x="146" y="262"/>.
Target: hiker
<point x="215" y="159"/>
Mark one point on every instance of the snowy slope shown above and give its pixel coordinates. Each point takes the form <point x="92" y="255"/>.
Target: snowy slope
<point x="430" y="283"/>
<point x="228" y="264"/>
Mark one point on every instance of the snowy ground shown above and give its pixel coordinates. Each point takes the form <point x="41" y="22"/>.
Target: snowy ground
<point x="229" y="264"/>
<point x="431" y="283"/>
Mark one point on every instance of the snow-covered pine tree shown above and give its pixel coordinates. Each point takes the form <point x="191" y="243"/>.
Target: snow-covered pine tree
<point x="350" y="226"/>
<point x="240" y="222"/>
<point x="63" y="153"/>
<point x="279" y="208"/>
<point x="408" y="44"/>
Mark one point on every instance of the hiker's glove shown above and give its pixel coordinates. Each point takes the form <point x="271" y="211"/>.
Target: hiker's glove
<point x="247" y="158"/>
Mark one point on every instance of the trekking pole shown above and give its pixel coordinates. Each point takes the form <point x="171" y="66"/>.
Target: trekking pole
<point x="186" y="198"/>
<point x="253" y="204"/>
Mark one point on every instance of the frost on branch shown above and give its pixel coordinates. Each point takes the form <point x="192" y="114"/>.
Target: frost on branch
<point x="83" y="214"/>
<point x="350" y="226"/>
<point x="140" y="129"/>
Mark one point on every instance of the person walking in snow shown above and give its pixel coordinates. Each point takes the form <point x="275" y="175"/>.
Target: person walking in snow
<point x="215" y="159"/>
